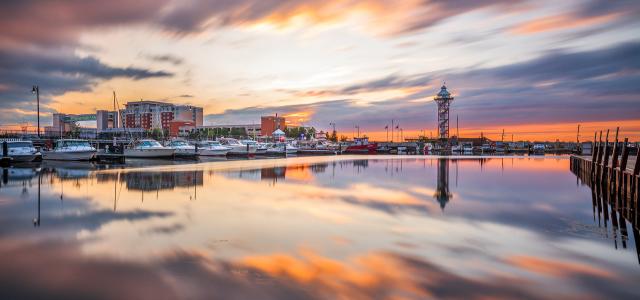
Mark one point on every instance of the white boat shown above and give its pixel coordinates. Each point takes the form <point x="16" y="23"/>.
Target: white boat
<point x="282" y="148"/>
<point x="20" y="151"/>
<point x="238" y="148"/>
<point x="467" y="147"/>
<point x="212" y="148"/>
<point x="182" y="149"/>
<point x="261" y="148"/>
<point x="148" y="149"/>
<point x="456" y="148"/>
<point x="70" y="149"/>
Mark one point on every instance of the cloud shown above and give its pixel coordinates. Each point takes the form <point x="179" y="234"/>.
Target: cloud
<point x="168" y="58"/>
<point x="589" y="14"/>
<point x="559" y="86"/>
<point x="55" y="71"/>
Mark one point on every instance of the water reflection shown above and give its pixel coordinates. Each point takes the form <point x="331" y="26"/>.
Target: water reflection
<point x="345" y="227"/>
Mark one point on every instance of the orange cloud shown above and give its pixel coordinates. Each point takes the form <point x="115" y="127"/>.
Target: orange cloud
<point x="560" y="22"/>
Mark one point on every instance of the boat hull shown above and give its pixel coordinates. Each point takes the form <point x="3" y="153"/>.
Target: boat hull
<point x="211" y="152"/>
<point x="362" y="149"/>
<point x="185" y="153"/>
<point x="149" y="153"/>
<point x="69" y="155"/>
<point x="241" y="150"/>
<point x="24" y="157"/>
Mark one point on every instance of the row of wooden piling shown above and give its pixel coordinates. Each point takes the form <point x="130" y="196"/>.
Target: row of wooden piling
<point x="607" y="172"/>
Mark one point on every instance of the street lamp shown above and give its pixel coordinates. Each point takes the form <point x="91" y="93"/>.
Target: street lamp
<point x="36" y="90"/>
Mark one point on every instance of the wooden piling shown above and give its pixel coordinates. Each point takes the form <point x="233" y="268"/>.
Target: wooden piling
<point x="607" y="172"/>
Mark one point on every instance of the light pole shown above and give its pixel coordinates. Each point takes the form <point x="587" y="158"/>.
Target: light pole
<point x="36" y="90"/>
<point x="387" y="129"/>
<point x="334" y="134"/>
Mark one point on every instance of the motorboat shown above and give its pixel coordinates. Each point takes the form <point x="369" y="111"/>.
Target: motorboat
<point x="539" y="148"/>
<point x="20" y="151"/>
<point x="467" y="147"/>
<point x="182" y="148"/>
<point x="456" y="148"/>
<point x="282" y="148"/>
<point x="261" y="148"/>
<point x="148" y="148"/>
<point x="71" y="150"/>
<point x="238" y="148"/>
<point x="212" y="148"/>
<point x="362" y="146"/>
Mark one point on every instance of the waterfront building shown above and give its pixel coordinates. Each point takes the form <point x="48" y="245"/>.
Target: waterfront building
<point x="245" y="129"/>
<point x="269" y="124"/>
<point x="181" y="128"/>
<point x="106" y="119"/>
<point x="158" y="115"/>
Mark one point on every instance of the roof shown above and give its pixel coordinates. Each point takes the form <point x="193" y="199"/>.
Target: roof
<point x="278" y="132"/>
<point x="443" y="92"/>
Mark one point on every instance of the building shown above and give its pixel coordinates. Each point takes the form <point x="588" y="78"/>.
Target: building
<point x="62" y="124"/>
<point x="181" y="128"/>
<point x="106" y="119"/>
<point x="246" y="129"/>
<point x="158" y="115"/>
<point x="269" y="124"/>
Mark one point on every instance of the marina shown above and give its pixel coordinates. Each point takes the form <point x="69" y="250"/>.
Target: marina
<point x="324" y="226"/>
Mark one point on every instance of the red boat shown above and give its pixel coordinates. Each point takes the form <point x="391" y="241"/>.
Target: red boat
<point x="361" y="146"/>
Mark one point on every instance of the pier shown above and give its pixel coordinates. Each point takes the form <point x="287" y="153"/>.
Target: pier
<point x="612" y="174"/>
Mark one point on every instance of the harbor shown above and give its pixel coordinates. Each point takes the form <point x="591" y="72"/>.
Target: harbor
<point x="267" y="220"/>
<point x="320" y="150"/>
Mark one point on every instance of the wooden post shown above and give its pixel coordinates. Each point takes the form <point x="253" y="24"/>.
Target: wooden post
<point x="605" y="159"/>
<point x="594" y="152"/>
<point x="599" y="157"/>
<point x="622" y="182"/>
<point x="636" y="169"/>
<point x="616" y="149"/>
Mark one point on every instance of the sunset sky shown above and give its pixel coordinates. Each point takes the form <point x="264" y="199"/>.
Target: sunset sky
<point x="535" y="68"/>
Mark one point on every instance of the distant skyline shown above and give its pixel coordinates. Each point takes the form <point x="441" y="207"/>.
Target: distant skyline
<point x="533" y="68"/>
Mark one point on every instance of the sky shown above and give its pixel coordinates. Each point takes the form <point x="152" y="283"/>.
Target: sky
<point x="536" y="69"/>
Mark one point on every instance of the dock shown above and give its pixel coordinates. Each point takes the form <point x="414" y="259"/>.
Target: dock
<point x="612" y="174"/>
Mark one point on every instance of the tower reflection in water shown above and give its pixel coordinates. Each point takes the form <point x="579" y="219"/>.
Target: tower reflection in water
<point x="443" y="195"/>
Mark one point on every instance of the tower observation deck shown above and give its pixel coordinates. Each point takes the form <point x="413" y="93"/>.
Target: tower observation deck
<point x="443" y="99"/>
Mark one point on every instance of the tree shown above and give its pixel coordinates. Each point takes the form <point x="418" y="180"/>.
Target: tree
<point x="343" y="138"/>
<point x="334" y="136"/>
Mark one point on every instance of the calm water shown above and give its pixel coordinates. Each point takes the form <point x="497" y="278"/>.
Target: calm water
<point x="303" y="228"/>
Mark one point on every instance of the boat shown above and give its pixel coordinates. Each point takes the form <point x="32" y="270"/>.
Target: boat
<point x="238" y="148"/>
<point x="212" y="148"/>
<point x="261" y="148"/>
<point x="21" y="151"/>
<point x="71" y="150"/>
<point x="361" y="146"/>
<point x="148" y="148"/>
<point x="456" y="148"/>
<point x="538" y="148"/>
<point x="467" y="147"/>
<point x="183" y="149"/>
<point x="500" y="147"/>
<point x="281" y="149"/>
